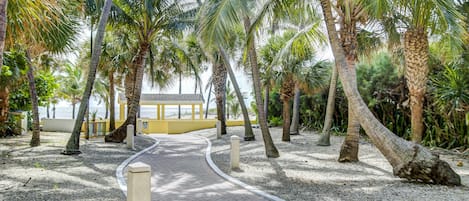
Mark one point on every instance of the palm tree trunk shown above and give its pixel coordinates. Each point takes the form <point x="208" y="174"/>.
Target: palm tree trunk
<point x="295" y="124"/>
<point x="208" y="100"/>
<point x="409" y="160"/>
<point x="73" y="144"/>
<point x="266" y="101"/>
<point x="4" y="104"/>
<point x="219" y="82"/>
<point x="120" y="133"/>
<point x="270" y="149"/>
<point x="35" y="140"/>
<point x="112" y="109"/>
<point x="416" y="73"/>
<point x="324" y="140"/>
<point x="3" y="28"/>
<point x="349" y="149"/>
<point x="47" y="110"/>
<point x="248" y="133"/>
<point x="73" y="109"/>
<point x="180" y="91"/>
<point x="53" y="111"/>
<point x="286" y="120"/>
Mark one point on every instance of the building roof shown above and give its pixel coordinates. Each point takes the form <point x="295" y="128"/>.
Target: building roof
<point x="167" y="99"/>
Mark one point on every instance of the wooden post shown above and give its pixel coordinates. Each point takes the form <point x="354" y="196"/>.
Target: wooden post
<point x="138" y="182"/>
<point x="193" y="111"/>
<point x="130" y="136"/>
<point x="218" y="125"/>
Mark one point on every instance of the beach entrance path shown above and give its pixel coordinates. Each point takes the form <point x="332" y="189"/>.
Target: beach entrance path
<point x="180" y="172"/>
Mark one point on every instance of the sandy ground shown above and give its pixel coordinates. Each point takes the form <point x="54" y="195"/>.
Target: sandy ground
<point x="42" y="173"/>
<point x="309" y="172"/>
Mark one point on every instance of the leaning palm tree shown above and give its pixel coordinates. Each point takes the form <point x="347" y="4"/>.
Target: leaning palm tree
<point x="150" y="20"/>
<point x="409" y="160"/>
<point x="28" y="31"/>
<point x="73" y="144"/>
<point x="217" y="17"/>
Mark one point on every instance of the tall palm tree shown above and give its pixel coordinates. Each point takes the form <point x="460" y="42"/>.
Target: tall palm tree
<point x="150" y="20"/>
<point x="28" y="31"/>
<point x="73" y="144"/>
<point x="72" y="82"/>
<point x="409" y="160"/>
<point x="216" y="18"/>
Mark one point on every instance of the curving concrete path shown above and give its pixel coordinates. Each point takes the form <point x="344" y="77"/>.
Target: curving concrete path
<point x="180" y="172"/>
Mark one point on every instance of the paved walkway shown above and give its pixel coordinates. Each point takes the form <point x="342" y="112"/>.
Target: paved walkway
<point x="180" y="172"/>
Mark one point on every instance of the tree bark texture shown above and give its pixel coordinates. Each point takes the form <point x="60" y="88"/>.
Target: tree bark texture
<point x="270" y="149"/>
<point x="248" y="133"/>
<point x="4" y="107"/>
<point x="349" y="149"/>
<point x="416" y="73"/>
<point x="286" y="93"/>
<point x="295" y="122"/>
<point x="3" y="28"/>
<point x="324" y="140"/>
<point x="112" y="97"/>
<point x="35" y="140"/>
<point x="409" y="160"/>
<point x="120" y="133"/>
<point x="219" y="84"/>
<point x="73" y="144"/>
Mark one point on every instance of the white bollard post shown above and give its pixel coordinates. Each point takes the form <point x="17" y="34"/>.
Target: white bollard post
<point x="130" y="136"/>
<point x="218" y="129"/>
<point x="139" y="126"/>
<point x="138" y="182"/>
<point x="234" y="155"/>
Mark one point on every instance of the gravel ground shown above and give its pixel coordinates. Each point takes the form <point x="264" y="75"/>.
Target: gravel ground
<point x="305" y="171"/>
<point x="42" y="173"/>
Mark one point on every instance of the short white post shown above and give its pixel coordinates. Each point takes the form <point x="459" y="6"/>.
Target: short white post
<point x="139" y="126"/>
<point x="234" y="156"/>
<point x="138" y="182"/>
<point x="218" y="129"/>
<point x="130" y="136"/>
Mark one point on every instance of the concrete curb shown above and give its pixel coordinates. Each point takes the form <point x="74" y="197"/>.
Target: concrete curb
<point x="233" y="180"/>
<point x="119" y="171"/>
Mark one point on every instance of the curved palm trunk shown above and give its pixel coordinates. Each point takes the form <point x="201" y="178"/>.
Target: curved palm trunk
<point x="208" y="99"/>
<point x="266" y="101"/>
<point x="180" y="92"/>
<point x="219" y="83"/>
<point x="120" y="133"/>
<point x="73" y="144"/>
<point x="324" y="140"/>
<point x="4" y="94"/>
<point x="35" y="140"/>
<point x="248" y="134"/>
<point x="73" y="108"/>
<point x="349" y="149"/>
<point x="409" y="160"/>
<point x="112" y="109"/>
<point x="416" y="73"/>
<point x="295" y="122"/>
<point x="3" y="27"/>
<point x="270" y="149"/>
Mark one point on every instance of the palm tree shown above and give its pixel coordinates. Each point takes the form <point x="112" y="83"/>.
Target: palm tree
<point x="216" y="18"/>
<point x="324" y="140"/>
<point x="150" y="20"/>
<point x="72" y="82"/>
<point x="28" y="31"/>
<point x="73" y="144"/>
<point x="409" y="160"/>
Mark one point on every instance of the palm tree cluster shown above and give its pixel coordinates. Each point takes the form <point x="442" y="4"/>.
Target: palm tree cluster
<point x="278" y="43"/>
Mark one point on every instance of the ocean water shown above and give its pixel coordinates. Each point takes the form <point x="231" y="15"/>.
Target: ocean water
<point x="145" y="112"/>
